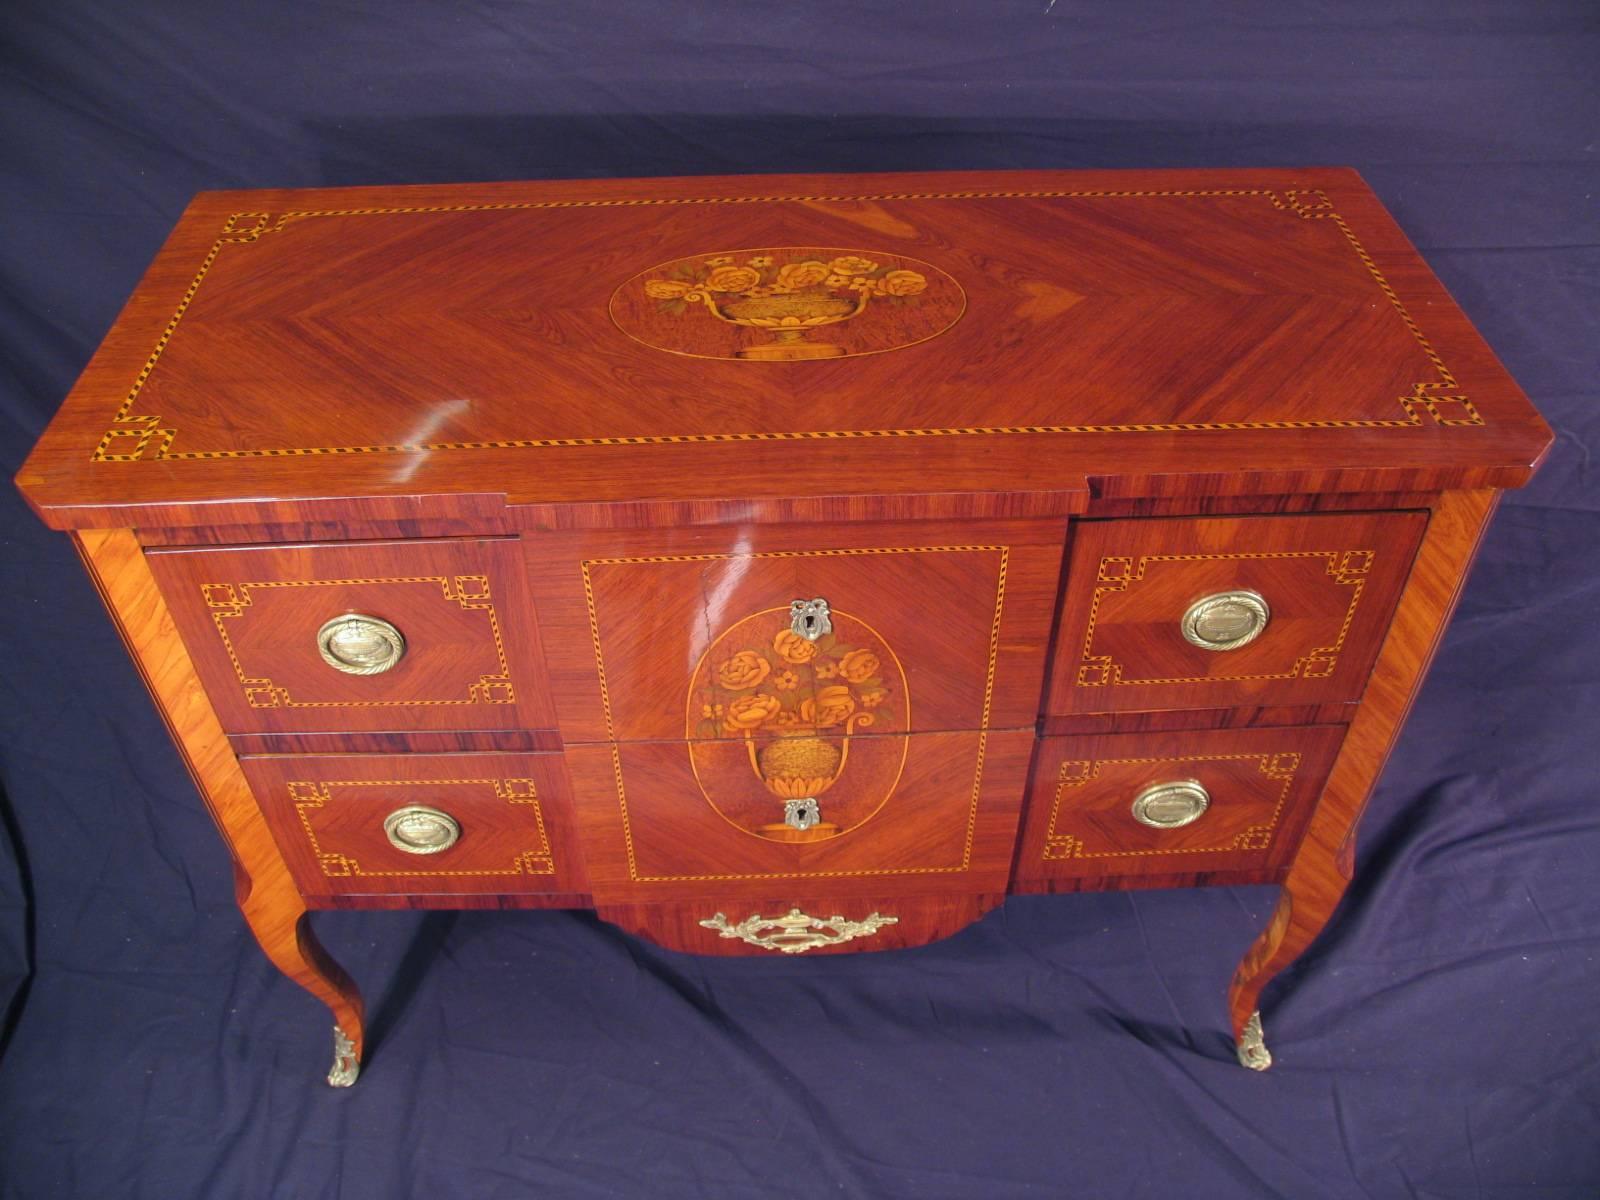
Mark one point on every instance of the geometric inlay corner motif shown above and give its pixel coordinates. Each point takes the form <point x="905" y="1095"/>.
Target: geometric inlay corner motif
<point x="309" y="796"/>
<point x="133" y="436"/>
<point x="1280" y="767"/>
<point x="230" y="602"/>
<point x="1118" y="572"/>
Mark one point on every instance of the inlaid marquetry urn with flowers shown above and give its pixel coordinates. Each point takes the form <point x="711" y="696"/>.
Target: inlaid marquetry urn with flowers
<point x="791" y="296"/>
<point x="796" y="707"/>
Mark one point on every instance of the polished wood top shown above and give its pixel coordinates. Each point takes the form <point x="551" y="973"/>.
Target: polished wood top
<point x="1009" y="342"/>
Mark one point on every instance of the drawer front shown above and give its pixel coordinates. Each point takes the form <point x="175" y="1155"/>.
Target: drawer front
<point x="675" y="636"/>
<point x="1117" y="805"/>
<point x="1218" y="612"/>
<point x="421" y="824"/>
<point x="448" y="622"/>
<point x="929" y="813"/>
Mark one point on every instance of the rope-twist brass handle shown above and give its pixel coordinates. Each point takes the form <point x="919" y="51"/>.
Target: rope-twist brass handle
<point x="360" y="645"/>
<point x="418" y="829"/>
<point x="1226" y="620"/>
<point x="1171" y="805"/>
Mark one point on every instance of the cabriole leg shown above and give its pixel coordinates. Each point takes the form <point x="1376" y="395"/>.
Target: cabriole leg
<point x="1323" y="865"/>
<point x="266" y="891"/>
<point x="282" y="926"/>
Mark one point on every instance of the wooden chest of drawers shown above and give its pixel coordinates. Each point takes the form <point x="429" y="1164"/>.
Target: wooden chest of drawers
<point x="791" y="564"/>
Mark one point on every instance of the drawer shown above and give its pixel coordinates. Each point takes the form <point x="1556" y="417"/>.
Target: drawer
<point x="682" y="635"/>
<point x="1217" y="612"/>
<point x="421" y="824"/>
<point x="1233" y="801"/>
<point x="441" y="635"/>
<point x="929" y="813"/>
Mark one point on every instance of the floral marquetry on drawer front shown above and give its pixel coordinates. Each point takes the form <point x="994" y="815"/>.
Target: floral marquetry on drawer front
<point x="925" y="813"/>
<point x="673" y="635"/>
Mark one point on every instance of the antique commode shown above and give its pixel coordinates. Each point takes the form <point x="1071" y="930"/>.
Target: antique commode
<point x="786" y="563"/>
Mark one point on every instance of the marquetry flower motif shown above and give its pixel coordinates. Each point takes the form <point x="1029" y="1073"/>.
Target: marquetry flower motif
<point x="733" y="279"/>
<point x="859" y="665"/>
<point x="744" y="670"/>
<point x="772" y="682"/>
<point x="793" y="648"/>
<point x="722" y="280"/>
<point x="830" y="706"/>
<point x="904" y="283"/>
<point x="804" y="274"/>
<point x="849" y="264"/>
<point x="750" y="712"/>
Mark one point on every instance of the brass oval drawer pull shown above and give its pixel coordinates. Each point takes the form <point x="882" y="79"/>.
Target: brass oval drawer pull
<point x="418" y="829"/>
<point x="1171" y="805"/>
<point x="796" y="932"/>
<point x="1226" y="620"/>
<point x="360" y="645"/>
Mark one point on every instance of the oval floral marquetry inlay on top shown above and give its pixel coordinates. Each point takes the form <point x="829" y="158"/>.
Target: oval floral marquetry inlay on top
<point x="787" y="304"/>
<point x="774" y="718"/>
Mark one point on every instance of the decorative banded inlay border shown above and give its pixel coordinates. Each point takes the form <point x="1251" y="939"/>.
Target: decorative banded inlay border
<point x="309" y="796"/>
<point x="230" y="601"/>
<point x="136" y="437"/>
<point x="1118" y="572"/>
<point x="1280" y="767"/>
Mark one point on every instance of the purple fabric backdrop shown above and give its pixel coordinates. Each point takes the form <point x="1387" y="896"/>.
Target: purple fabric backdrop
<point x="1438" y="1042"/>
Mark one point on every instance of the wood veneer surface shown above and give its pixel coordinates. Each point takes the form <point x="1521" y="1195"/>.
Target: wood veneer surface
<point x="514" y="812"/>
<point x="250" y="618"/>
<point x="1330" y="582"/>
<point x="441" y="350"/>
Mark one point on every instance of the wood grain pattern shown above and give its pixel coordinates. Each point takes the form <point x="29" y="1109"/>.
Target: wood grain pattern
<point x="1053" y="725"/>
<point x="1121" y="327"/>
<point x="369" y="520"/>
<point x="1331" y="582"/>
<point x="514" y="810"/>
<point x="250" y="619"/>
<point x="1321" y="869"/>
<point x="479" y="901"/>
<point x="264" y="885"/>
<point x="1263" y="784"/>
<point x="399" y="742"/>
